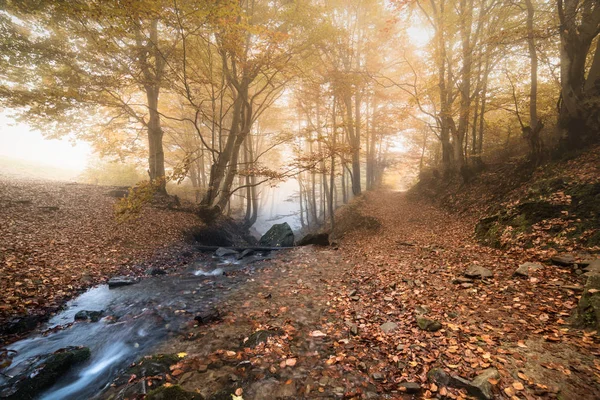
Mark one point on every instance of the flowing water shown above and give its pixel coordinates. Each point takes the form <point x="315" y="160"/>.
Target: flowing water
<point x="136" y="318"/>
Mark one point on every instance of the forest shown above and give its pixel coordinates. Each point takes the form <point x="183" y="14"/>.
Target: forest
<point x="233" y="97"/>
<point x="289" y="199"/>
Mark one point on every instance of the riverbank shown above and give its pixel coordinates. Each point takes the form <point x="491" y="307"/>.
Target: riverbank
<point x="61" y="238"/>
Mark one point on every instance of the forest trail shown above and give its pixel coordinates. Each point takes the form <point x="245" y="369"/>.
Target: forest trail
<point x="325" y="323"/>
<point x="370" y="318"/>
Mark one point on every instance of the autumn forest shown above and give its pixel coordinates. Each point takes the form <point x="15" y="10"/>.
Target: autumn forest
<point x="359" y="199"/>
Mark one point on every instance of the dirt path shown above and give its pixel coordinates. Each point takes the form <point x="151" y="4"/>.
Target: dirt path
<point x="322" y="316"/>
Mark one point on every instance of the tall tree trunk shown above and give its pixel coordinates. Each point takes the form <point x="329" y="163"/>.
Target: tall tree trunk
<point x="532" y="133"/>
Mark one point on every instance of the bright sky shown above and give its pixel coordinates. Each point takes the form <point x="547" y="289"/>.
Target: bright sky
<point x="19" y="141"/>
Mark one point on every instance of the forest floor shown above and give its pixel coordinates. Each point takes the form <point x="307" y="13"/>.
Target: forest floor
<point x="60" y="238"/>
<point x="312" y="322"/>
<point x="342" y="323"/>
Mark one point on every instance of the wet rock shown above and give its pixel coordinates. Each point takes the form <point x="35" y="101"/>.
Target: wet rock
<point x="42" y="372"/>
<point x="388" y="327"/>
<point x="410" y="387"/>
<point x="223" y="252"/>
<point x="85" y="315"/>
<point x="172" y="393"/>
<point x="208" y="316"/>
<point x="477" y="271"/>
<point x="20" y="325"/>
<point x="428" y="325"/>
<point x="154" y="271"/>
<point x="525" y="268"/>
<point x="119" y="281"/>
<point x="258" y="337"/>
<point x="158" y="364"/>
<point x="280" y="235"/>
<point x="245" y="253"/>
<point x="588" y="309"/>
<point x="318" y="239"/>
<point x="564" y="260"/>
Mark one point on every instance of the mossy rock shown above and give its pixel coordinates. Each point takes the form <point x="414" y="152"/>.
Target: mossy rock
<point x="258" y="337"/>
<point x="158" y="364"/>
<point x="547" y="186"/>
<point x="43" y="372"/>
<point x="172" y="393"/>
<point x="588" y="309"/>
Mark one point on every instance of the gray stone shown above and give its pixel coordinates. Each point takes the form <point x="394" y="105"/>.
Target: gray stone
<point x="378" y="376"/>
<point x="466" y="285"/>
<point x="224" y="252"/>
<point x="525" y="268"/>
<point x="477" y="271"/>
<point x="410" y="387"/>
<point x="593" y="267"/>
<point x="588" y="309"/>
<point x="84" y="315"/>
<point x="119" y="281"/>
<point x="353" y="328"/>
<point x="564" y="260"/>
<point x="438" y="376"/>
<point x="388" y="327"/>
<point x="245" y="253"/>
<point x="481" y="383"/>
<point x="428" y="325"/>
<point x="280" y="235"/>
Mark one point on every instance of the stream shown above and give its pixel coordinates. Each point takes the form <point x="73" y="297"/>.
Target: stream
<point x="136" y="318"/>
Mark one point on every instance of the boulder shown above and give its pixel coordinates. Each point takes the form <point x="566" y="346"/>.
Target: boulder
<point x="119" y="281"/>
<point x="525" y="268"/>
<point x="593" y="267"/>
<point x="477" y="271"/>
<point x="318" y="239"/>
<point x="564" y="260"/>
<point x="388" y="327"/>
<point x="280" y="235"/>
<point x="85" y="315"/>
<point x="588" y="309"/>
<point x="42" y="372"/>
<point x="481" y="387"/>
<point x="223" y="252"/>
<point x="428" y="325"/>
<point x="208" y="316"/>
